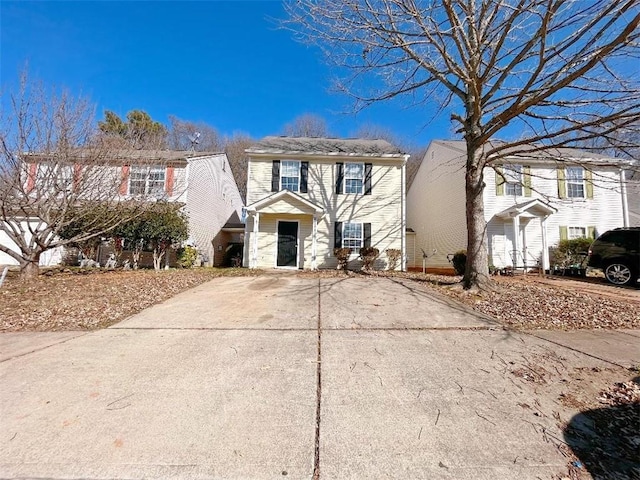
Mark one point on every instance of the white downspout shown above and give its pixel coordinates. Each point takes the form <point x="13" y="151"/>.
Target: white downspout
<point x="403" y="213"/>
<point x="623" y="194"/>
<point x="256" y="230"/>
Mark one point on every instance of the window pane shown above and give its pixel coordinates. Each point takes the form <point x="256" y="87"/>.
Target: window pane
<point x="290" y="175"/>
<point x="352" y="185"/>
<point x="575" y="173"/>
<point x="514" y="189"/>
<point x="575" y="190"/>
<point x="353" y="177"/>
<point x="576" y="232"/>
<point x="352" y="235"/>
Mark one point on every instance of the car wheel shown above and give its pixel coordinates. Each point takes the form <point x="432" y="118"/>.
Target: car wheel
<point x="619" y="274"/>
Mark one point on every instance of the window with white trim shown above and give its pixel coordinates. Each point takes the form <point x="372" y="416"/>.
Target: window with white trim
<point x="352" y="236"/>
<point x="576" y="232"/>
<point x="290" y="175"/>
<point x="148" y="181"/>
<point x="575" y="182"/>
<point x="353" y="177"/>
<point x="513" y="177"/>
<point x="54" y="177"/>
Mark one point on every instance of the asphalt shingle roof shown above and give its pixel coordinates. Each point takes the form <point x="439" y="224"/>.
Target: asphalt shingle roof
<point x="325" y="146"/>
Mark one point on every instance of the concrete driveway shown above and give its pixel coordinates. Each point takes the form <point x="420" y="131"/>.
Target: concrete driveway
<point x="280" y="376"/>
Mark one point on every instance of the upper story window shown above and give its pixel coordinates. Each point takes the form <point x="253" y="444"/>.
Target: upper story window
<point x="147" y="180"/>
<point x="575" y="182"/>
<point x="514" y="179"/>
<point x="353" y="177"/>
<point x="54" y="177"/>
<point x="290" y="175"/>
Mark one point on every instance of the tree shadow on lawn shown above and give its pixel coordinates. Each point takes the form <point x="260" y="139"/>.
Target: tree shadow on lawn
<point x="607" y="440"/>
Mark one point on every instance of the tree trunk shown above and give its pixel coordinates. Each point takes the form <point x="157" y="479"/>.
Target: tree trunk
<point x="157" y="258"/>
<point x="477" y="268"/>
<point x="30" y="268"/>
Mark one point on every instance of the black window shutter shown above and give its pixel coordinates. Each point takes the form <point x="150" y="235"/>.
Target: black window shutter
<point x="367" y="234"/>
<point x="339" y="177"/>
<point x="368" y="167"/>
<point x="275" y="176"/>
<point x="304" y="173"/>
<point x="338" y="235"/>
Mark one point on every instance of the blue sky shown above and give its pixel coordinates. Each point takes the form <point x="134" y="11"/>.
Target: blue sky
<point x="225" y="63"/>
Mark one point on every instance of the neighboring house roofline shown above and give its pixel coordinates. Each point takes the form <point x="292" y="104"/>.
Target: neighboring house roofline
<point x="544" y="155"/>
<point x="119" y="156"/>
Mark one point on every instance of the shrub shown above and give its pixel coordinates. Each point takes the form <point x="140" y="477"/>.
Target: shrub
<point x="393" y="256"/>
<point x="368" y="255"/>
<point x="459" y="262"/>
<point x="342" y="255"/>
<point x="187" y="256"/>
<point x="570" y="252"/>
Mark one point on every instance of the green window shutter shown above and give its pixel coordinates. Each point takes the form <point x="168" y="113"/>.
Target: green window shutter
<point x="562" y="186"/>
<point x="526" y="171"/>
<point x="499" y="181"/>
<point x="588" y="176"/>
<point x="591" y="232"/>
<point x="564" y="234"/>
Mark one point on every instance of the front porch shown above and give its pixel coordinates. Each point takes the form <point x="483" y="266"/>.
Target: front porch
<point x="523" y="244"/>
<point x="282" y="232"/>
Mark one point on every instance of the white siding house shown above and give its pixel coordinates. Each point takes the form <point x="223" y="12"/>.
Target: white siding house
<point x="201" y="181"/>
<point x="306" y="196"/>
<point x="530" y="203"/>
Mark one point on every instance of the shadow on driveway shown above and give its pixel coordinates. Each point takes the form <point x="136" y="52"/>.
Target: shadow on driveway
<point x="607" y="440"/>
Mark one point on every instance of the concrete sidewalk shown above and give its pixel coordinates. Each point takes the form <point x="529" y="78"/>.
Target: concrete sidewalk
<point x="222" y="382"/>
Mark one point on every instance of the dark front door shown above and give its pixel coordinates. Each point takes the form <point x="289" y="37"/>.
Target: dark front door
<point x="287" y="244"/>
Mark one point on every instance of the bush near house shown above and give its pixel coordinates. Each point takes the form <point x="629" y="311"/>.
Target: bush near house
<point x="342" y="255"/>
<point x="368" y="255"/>
<point x="459" y="261"/>
<point x="393" y="257"/>
<point x="570" y="253"/>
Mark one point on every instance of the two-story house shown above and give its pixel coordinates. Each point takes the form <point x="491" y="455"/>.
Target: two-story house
<point x="201" y="181"/>
<point x="531" y="202"/>
<point x="307" y="196"/>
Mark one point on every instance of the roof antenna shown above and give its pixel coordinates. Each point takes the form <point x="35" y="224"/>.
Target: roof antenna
<point x="194" y="140"/>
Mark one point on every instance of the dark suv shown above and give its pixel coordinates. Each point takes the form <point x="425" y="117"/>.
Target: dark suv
<point x="617" y="253"/>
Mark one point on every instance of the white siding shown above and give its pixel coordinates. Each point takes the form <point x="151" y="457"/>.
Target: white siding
<point x="436" y="208"/>
<point x="211" y="198"/>
<point x="436" y="205"/>
<point x="48" y="258"/>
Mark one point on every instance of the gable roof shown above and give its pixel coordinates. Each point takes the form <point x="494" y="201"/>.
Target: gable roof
<point x="542" y="154"/>
<point x="284" y="195"/>
<point x="326" y="146"/>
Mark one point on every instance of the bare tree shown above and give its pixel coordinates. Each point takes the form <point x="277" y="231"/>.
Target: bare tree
<point x="235" y="147"/>
<point x="197" y="136"/>
<point x="543" y="68"/>
<point x="53" y="173"/>
<point x="416" y="153"/>
<point x="307" y="125"/>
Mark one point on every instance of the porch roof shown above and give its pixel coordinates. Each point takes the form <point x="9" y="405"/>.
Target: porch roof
<point x="532" y="208"/>
<point x="286" y="197"/>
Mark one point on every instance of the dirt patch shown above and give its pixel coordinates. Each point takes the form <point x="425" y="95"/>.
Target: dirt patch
<point x="92" y="299"/>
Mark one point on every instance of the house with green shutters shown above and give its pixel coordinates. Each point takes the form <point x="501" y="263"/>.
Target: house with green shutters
<point x="532" y="200"/>
<point x="307" y="196"/>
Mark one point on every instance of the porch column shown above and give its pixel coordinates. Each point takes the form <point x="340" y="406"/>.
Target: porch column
<point x="314" y="244"/>
<point x="256" y="230"/>
<point x="516" y="240"/>
<point x="545" y="247"/>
